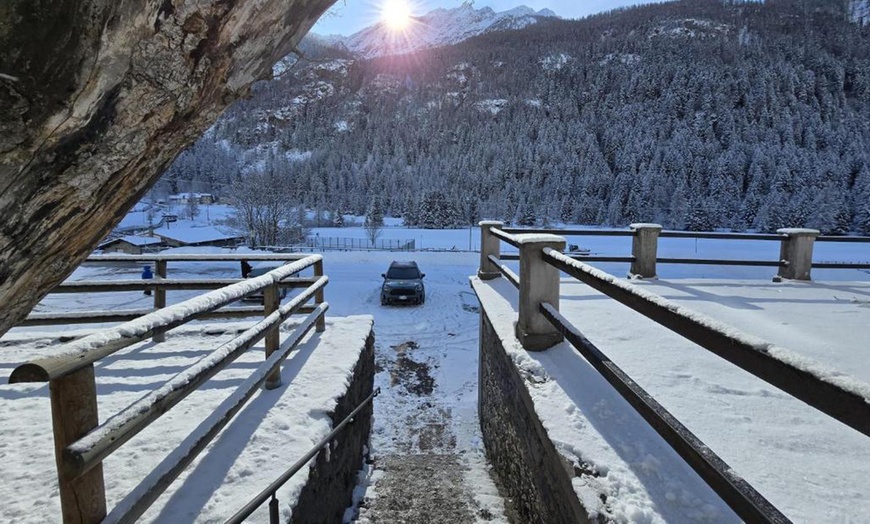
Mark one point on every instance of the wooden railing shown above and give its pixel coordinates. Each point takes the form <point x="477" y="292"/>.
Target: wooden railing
<point x="795" y="262"/>
<point x="540" y="326"/>
<point x="81" y="443"/>
<point x="158" y="286"/>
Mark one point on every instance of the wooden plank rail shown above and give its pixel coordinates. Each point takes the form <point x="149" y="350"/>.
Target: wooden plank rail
<point x="81" y="444"/>
<point x="99" y="317"/>
<point x="842" y="401"/>
<point x="137" y="502"/>
<point x="252" y="257"/>
<point x="85" y="453"/>
<point x="748" y="503"/>
<point x="193" y="284"/>
<point x="90" y="349"/>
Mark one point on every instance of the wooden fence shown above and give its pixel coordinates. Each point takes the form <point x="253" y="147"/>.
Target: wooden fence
<point x="795" y="261"/>
<point x="81" y="443"/>
<point x="540" y="326"/>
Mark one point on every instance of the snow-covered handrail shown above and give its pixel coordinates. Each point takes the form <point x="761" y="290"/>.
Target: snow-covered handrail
<point x="507" y="272"/>
<point x="507" y="237"/>
<point x="83" y="443"/>
<point x="745" y="500"/>
<point x="838" y="395"/>
<point x="140" y="499"/>
<point x="90" y="450"/>
<point x="254" y="257"/>
<point x="85" y="351"/>
<point x="180" y="284"/>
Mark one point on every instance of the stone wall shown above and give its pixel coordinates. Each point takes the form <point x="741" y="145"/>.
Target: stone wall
<point x="532" y="475"/>
<point x="329" y="489"/>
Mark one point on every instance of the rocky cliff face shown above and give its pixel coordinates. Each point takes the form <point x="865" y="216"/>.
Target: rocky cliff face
<point x="96" y="98"/>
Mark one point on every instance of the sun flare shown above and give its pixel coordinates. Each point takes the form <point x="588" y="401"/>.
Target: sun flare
<point x="396" y="14"/>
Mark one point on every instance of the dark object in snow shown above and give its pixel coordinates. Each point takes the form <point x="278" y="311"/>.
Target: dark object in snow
<point x="146" y="275"/>
<point x="258" y="295"/>
<point x="403" y="282"/>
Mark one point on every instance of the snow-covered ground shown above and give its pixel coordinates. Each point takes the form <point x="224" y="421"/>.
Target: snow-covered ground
<point x="427" y="357"/>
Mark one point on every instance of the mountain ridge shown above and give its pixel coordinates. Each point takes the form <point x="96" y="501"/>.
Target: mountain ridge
<point x="437" y="28"/>
<point x="696" y="115"/>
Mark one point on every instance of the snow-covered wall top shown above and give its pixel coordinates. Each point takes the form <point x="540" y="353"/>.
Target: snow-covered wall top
<point x="440" y="27"/>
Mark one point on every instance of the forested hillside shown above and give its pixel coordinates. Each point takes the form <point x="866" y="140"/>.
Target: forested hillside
<point x="697" y="114"/>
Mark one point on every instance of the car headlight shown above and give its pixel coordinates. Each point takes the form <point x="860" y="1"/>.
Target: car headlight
<point x="418" y="287"/>
<point x="388" y="287"/>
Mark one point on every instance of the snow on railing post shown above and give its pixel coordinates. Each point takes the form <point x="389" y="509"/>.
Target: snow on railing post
<point x="539" y="283"/>
<point x="644" y="249"/>
<point x="74" y="414"/>
<point x="273" y="336"/>
<point x="160" y="299"/>
<point x="489" y="245"/>
<point x="797" y="252"/>
<point x="318" y="298"/>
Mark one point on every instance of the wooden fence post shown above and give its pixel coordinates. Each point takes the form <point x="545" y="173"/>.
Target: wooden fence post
<point x="644" y="249"/>
<point x="273" y="336"/>
<point x="539" y="283"/>
<point x="489" y="245"/>
<point x="318" y="297"/>
<point x="160" y="299"/>
<point x="74" y="414"/>
<point x="797" y="250"/>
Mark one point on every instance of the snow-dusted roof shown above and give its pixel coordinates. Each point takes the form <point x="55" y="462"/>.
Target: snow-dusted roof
<point x="133" y="240"/>
<point x="195" y="235"/>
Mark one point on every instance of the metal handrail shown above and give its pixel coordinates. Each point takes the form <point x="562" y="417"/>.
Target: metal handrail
<point x="842" y="401"/>
<point x="504" y="235"/>
<point x="508" y="273"/>
<point x="748" y="503"/>
<point x="270" y="491"/>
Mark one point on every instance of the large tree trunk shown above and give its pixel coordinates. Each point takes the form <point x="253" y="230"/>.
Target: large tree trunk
<point x="97" y="97"/>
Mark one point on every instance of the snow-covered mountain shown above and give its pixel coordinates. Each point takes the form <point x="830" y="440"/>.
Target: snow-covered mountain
<point x="440" y="27"/>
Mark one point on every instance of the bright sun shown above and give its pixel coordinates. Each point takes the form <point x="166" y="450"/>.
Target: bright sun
<point x="396" y="14"/>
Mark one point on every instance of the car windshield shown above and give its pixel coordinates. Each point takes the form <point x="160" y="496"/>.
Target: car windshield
<point x="403" y="273"/>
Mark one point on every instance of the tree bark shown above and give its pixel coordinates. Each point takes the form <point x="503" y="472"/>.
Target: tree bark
<point x="97" y="97"/>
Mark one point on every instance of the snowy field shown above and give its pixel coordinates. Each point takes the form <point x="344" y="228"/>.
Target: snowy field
<point x="427" y="360"/>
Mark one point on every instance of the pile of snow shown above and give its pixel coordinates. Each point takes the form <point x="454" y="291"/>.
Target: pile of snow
<point x="555" y="62"/>
<point x="494" y="106"/>
<point x="689" y="28"/>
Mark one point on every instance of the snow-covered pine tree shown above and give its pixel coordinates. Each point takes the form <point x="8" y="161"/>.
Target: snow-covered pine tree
<point x="374" y="221"/>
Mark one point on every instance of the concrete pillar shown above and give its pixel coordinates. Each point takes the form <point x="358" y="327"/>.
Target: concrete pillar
<point x="489" y="245"/>
<point x="644" y="249"/>
<point x="539" y="283"/>
<point x="797" y="250"/>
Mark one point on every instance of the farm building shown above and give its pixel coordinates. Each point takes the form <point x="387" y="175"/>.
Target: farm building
<point x="132" y="245"/>
<point x="198" y="236"/>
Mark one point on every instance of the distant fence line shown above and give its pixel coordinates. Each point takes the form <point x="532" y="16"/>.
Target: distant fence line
<point x="340" y="243"/>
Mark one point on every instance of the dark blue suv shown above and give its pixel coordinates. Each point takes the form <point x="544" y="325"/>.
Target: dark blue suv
<point x="403" y="282"/>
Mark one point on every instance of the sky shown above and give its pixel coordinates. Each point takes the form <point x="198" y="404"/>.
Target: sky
<point x="349" y="16"/>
